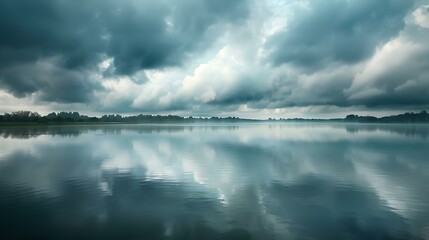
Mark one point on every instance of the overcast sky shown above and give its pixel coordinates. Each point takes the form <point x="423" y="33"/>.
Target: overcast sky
<point x="247" y="58"/>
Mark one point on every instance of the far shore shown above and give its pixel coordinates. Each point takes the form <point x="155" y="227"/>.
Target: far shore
<point x="27" y="118"/>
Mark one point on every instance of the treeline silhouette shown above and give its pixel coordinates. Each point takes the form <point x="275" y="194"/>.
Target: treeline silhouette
<point x="75" y="117"/>
<point x="409" y="117"/>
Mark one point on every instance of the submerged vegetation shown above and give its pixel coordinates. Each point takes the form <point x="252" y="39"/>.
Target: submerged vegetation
<point x="29" y="117"/>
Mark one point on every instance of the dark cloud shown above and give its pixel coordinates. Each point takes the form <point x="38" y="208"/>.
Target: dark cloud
<point x="246" y="89"/>
<point x="135" y="34"/>
<point x="158" y="34"/>
<point x="52" y="83"/>
<point x="329" y="53"/>
<point x="294" y="89"/>
<point x="410" y="92"/>
<point x="398" y="76"/>
<point x="324" y="33"/>
<point x="32" y="30"/>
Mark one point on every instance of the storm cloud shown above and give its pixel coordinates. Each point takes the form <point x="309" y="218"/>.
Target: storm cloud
<point x="322" y="33"/>
<point x="76" y="37"/>
<point x="216" y="57"/>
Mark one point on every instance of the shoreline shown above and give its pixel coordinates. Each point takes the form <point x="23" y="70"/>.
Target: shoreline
<point x="45" y="124"/>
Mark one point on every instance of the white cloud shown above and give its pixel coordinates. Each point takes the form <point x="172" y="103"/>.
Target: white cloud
<point x="421" y="16"/>
<point x="396" y="73"/>
<point x="233" y="76"/>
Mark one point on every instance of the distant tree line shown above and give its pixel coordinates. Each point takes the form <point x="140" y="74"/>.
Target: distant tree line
<point x="422" y="117"/>
<point x="75" y="117"/>
<point x="409" y="117"/>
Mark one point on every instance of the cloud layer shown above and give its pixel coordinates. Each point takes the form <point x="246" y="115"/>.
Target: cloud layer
<point x="64" y="41"/>
<point x="320" y="34"/>
<point x="205" y="57"/>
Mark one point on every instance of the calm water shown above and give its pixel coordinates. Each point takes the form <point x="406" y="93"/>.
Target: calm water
<point x="290" y="181"/>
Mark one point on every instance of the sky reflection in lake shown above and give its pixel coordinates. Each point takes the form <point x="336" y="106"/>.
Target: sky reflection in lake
<point x="254" y="181"/>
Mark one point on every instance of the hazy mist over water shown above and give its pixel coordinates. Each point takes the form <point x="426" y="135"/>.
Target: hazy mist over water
<point x="244" y="181"/>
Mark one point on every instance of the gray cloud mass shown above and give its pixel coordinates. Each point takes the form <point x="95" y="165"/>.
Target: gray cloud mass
<point x="337" y="31"/>
<point x="202" y="57"/>
<point x="136" y="34"/>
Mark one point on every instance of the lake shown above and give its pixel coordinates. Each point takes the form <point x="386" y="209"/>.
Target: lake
<point x="244" y="181"/>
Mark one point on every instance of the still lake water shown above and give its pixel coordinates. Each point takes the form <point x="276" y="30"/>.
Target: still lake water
<point x="245" y="181"/>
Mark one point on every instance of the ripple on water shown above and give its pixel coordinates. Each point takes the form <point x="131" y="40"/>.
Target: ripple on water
<point x="252" y="182"/>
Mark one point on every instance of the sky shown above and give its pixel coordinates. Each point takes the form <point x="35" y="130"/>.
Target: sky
<point x="244" y="58"/>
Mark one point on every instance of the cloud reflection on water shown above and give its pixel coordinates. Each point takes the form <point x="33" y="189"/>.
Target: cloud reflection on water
<point x="260" y="181"/>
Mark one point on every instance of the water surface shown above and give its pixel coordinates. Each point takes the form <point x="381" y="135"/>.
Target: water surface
<point x="246" y="181"/>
